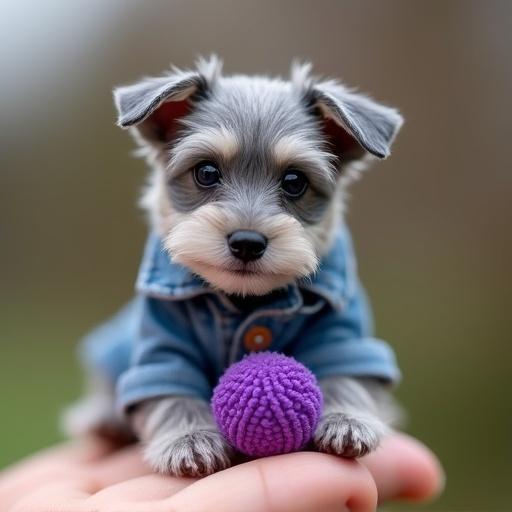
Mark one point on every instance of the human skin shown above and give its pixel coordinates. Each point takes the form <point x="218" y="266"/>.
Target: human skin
<point x="92" y="477"/>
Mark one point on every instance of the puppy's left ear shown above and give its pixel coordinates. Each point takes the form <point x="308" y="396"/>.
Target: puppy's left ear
<point x="154" y="105"/>
<point x="356" y="124"/>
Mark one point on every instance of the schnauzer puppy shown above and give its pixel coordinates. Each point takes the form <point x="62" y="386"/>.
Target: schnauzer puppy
<point x="248" y="251"/>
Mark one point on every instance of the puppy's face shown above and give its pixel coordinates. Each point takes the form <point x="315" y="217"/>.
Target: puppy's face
<point x="247" y="182"/>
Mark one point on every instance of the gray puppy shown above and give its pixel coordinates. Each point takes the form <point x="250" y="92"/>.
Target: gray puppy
<point x="246" y="201"/>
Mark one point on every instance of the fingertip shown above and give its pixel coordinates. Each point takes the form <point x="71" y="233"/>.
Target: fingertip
<point x="298" y="482"/>
<point x="424" y="477"/>
<point x="334" y="483"/>
<point x="404" y="468"/>
<point x="364" y="492"/>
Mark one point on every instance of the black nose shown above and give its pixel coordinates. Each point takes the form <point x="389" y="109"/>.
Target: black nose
<point x="247" y="245"/>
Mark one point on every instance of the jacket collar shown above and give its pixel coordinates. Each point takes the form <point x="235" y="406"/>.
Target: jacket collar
<point x="333" y="281"/>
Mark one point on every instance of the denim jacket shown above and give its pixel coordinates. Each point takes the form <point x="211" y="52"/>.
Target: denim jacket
<point x="178" y="335"/>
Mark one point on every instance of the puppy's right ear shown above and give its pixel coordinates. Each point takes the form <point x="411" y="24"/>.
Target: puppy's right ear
<point x="154" y="105"/>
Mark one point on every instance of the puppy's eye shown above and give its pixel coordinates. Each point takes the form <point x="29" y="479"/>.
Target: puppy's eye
<point x="206" y="174"/>
<point x="294" y="183"/>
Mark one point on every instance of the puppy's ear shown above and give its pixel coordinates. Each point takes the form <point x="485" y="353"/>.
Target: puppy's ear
<point x="355" y="124"/>
<point x="153" y="105"/>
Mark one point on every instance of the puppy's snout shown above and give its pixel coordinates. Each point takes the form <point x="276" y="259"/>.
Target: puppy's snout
<point x="247" y="245"/>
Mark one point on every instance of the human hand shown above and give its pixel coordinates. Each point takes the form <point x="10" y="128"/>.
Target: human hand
<point x="91" y="477"/>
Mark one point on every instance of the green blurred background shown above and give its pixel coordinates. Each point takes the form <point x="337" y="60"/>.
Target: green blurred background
<point x="431" y="224"/>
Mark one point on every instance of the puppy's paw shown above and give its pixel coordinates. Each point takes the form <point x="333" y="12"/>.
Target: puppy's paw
<point x="193" y="454"/>
<point x="348" y="436"/>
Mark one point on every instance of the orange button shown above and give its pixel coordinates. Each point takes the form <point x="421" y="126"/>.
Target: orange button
<point x="257" y="338"/>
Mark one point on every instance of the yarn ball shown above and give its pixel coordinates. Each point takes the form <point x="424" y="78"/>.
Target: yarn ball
<point x="267" y="404"/>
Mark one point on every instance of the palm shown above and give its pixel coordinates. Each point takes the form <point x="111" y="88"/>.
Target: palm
<point x="91" y="477"/>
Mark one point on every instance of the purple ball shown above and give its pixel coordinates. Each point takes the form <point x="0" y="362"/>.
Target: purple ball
<point x="267" y="404"/>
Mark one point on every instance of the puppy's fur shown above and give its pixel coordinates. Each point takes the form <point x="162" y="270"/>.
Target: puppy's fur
<point x="263" y="126"/>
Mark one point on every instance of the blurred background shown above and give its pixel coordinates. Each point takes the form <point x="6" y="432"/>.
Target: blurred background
<point x="431" y="224"/>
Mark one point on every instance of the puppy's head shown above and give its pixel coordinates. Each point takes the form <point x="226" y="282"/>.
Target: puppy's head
<point x="249" y="172"/>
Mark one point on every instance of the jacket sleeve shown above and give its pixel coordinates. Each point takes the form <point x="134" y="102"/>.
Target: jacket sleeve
<point x="166" y="359"/>
<point x="341" y="343"/>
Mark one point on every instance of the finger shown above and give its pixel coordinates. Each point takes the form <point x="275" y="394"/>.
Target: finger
<point x="75" y="452"/>
<point x="91" y="460"/>
<point x="298" y="482"/>
<point x="48" y="466"/>
<point x="403" y="468"/>
<point x="144" y="494"/>
<point x="120" y="480"/>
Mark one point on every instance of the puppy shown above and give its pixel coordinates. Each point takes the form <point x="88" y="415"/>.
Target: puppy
<point x="248" y="251"/>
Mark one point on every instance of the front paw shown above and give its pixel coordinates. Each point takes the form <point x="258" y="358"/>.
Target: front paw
<point x="348" y="436"/>
<point x="193" y="454"/>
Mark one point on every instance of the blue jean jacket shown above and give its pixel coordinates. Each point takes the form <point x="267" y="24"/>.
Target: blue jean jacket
<point x="178" y="335"/>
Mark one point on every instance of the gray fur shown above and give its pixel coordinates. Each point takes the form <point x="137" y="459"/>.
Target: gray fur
<point x="181" y="437"/>
<point x="357" y="414"/>
<point x="137" y="102"/>
<point x="259" y="111"/>
<point x="374" y="126"/>
<point x="349" y="436"/>
<point x="253" y="128"/>
<point x="95" y="413"/>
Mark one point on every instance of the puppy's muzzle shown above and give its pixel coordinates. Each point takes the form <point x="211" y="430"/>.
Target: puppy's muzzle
<point x="247" y="245"/>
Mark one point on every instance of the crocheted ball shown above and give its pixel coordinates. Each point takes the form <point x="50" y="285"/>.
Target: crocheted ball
<point x="267" y="404"/>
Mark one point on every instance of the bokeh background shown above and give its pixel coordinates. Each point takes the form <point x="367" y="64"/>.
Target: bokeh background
<point x="432" y="224"/>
